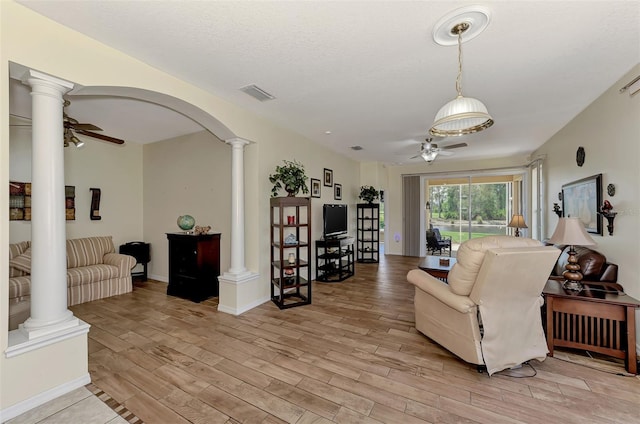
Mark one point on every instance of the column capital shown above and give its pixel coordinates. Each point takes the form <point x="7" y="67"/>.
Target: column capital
<point x="238" y="142"/>
<point x="38" y="79"/>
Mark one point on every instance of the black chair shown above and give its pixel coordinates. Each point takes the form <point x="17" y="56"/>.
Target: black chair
<point x="437" y="243"/>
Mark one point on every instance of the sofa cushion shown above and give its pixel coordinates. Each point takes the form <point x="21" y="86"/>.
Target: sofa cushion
<point x="90" y="274"/>
<point x="470" y="257"/>
<point x="16" y="249"/>
<point x="19" y="286"/>
<point x="22" y="262"/>
<point x="88" y="251"/>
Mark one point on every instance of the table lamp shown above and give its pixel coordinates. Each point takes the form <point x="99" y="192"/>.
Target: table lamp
<point x="570" y="231"/>
<point x="517" y="222"/>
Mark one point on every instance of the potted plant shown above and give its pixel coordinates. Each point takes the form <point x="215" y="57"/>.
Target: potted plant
<point x="289" y="176"/>
<point x="368" y="194"/>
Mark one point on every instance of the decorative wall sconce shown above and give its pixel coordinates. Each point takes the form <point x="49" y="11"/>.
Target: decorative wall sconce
<point x="607" y="211"/>
<point x="557" y="210"/>
<point x="610" y="217"/>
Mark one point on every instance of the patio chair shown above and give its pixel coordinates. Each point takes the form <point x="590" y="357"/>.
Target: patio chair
<point x="438" y="243"/>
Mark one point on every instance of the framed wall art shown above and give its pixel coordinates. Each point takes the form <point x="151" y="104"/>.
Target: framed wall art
<point x="582" y="199"/>
<point x="315" y="187"/>
<point x="328" y="177"/>
<point x="337" y="191"/>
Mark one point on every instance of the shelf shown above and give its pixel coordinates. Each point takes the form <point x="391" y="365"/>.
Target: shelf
<point x="285" y="264"/>
<point x="368" y="223"/>
<point x="295" y="290"/>
<point x="334" y="260"/>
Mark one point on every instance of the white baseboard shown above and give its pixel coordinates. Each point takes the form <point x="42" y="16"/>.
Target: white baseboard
<point x="162" y="278"/>
<point x="245" y="308"/>
<point x="42" y="398"/>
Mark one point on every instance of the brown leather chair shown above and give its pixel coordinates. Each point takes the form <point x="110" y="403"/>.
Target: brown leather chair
<point x="593" y="266"/>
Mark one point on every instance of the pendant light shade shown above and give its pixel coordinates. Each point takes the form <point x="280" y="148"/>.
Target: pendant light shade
<point x="462" y="115"/>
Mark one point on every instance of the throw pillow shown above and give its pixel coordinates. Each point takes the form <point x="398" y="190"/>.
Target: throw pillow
<point x="22" y="262"/>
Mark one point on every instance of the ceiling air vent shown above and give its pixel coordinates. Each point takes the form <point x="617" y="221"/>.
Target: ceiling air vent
<point x="356" y="147"/>
<point x="257" y="93"/>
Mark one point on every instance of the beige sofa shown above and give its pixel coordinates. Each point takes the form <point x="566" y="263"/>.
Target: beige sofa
<point x="94" y="271"/>
<point x="489" y="312"/>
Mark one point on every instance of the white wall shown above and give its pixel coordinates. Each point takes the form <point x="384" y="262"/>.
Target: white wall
<point x="115" y="170"/>
<point x="186" y="175"/>
<point x="609" y="131"/>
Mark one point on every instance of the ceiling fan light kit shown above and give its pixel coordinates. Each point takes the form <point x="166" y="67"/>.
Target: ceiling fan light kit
<point x="462" y="115"/>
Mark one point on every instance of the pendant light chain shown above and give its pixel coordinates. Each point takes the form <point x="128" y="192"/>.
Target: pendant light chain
<point x="458" y="30"/>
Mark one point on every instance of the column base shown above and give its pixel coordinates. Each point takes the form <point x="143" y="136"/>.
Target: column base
<point x="240" y="292"/>
<point x="21" y="341"/>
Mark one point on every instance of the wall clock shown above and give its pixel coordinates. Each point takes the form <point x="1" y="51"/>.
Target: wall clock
<point x="580" y="156"/>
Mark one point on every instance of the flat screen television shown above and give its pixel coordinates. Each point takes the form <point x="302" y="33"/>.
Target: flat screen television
<point x="334" y="219"/>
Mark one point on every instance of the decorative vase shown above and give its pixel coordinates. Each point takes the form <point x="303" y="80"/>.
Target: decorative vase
<point x="290" y="191"/>
<point x="292" y="259"/>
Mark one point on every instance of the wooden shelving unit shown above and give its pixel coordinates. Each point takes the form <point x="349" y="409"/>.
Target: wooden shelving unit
<point x="290" y="251"/>
<point x="334" y="259"/>
<point x="368" y="232"/>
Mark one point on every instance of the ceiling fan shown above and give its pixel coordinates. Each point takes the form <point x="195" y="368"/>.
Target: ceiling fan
<point x="73" y="127"/>
<point x="429" y="150"/>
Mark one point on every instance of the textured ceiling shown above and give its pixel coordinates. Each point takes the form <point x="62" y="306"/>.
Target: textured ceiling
<point x="369" y="72"/>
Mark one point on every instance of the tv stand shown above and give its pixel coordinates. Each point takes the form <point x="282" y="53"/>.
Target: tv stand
<point x="334" y="259"/>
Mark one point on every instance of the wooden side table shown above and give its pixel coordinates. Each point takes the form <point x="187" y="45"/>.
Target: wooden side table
<point x="431" y="265"/>
<point x="595" y="319"/>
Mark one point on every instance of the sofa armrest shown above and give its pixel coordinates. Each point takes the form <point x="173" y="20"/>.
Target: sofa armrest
<point x="440" y="290"/>
<point x="124" y="263"/>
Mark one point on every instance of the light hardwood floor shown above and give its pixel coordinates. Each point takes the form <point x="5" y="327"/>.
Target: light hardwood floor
<point x="353" y="356"/>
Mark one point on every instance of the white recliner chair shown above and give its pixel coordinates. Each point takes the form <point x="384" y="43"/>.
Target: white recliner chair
<point x="489" y="312"/>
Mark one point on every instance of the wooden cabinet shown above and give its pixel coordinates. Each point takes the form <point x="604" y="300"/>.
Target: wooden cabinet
<point x="368" y="232"/>
<point x="334" y="259"/>
<point x="290" y="251"/>
<point x="194" y="265"/>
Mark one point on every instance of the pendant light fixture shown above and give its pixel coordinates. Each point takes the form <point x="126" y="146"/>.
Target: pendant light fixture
<point x="462" y="115"/>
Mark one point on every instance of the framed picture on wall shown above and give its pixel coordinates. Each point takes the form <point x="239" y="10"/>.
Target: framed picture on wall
<point x="581" y="199"/>
<point x="337" y="191"/>
<point x="315" y="187"/>
<point x="328" y="177"/>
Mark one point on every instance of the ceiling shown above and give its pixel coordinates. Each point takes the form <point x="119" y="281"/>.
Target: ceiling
<point x="366" y="73"/>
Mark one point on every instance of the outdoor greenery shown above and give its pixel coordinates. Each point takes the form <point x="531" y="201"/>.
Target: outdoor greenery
<point x="488" y="202"/>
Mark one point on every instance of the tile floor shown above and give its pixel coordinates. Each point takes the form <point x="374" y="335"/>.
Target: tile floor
<point x="77" y="407"/>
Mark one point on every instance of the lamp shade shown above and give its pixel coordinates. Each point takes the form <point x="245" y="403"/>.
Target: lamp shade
<point x="517" y="221"/>
<point x="462" y="115"/>
<point x="571" y="231"/>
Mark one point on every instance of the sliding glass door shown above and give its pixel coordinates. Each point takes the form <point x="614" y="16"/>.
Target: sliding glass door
<point x="472" y="206"/>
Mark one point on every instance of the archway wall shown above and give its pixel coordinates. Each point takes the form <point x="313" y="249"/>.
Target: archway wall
<point x="33" y="41"/>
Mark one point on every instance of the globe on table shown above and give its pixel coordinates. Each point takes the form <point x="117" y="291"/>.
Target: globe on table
<point x="186" y="222"/>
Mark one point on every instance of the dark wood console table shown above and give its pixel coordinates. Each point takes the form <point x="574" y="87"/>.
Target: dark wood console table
<point x="595" y="319"/>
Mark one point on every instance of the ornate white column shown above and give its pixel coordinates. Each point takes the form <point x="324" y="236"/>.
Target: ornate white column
<point x="49" y="313"/>
<point x="237" y="206"/>
<point x="231" y="295"/>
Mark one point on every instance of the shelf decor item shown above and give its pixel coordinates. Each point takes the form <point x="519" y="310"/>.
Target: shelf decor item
<point x="291" y="177"/>
<point x="368" y="194"/>
<point x="186" y="222"/>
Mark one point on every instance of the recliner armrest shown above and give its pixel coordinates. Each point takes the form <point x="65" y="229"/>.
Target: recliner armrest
<point x="440" y="290"/>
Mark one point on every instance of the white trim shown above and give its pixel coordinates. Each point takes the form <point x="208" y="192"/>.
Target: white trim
<point x="19" y="343"/>
<point x="237" y="279"/>
<point x="44" y="397"/>
<point x="162" y="278"/>
<point x="238" y="311"/>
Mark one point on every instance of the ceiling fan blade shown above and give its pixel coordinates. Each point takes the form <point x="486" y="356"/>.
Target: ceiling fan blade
<point x="445" y="153"/>
<point x="455" y="146"/>
<point x="100" y="136"/>
<point x="86" y="127"/>
<point x="416" y="156"/>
